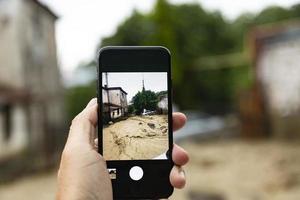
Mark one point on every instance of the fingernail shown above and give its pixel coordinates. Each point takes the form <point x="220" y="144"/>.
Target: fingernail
<point x="92" y="102"/>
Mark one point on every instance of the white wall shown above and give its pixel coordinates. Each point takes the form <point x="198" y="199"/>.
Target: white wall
<point x="279" y="70"/>
<point x="115" y="97"/>
<point x="18" y="139"/>
<point x="10" y="52"/>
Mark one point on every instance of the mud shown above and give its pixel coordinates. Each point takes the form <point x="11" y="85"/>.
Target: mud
<point x="138" y="137"/>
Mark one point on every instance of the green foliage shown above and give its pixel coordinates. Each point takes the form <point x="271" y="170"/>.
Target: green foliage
<point x="295" y="11"/>
<point x="135" y="30"/>
<point x="145" y="99"/>
<point x="161" y="94"/>
<point x="273" y="14"/>
<point x="187" y="30"/>
<point x="131" y="109"/>
<point x="192" y="33"/>
<point x="77" y="98"/>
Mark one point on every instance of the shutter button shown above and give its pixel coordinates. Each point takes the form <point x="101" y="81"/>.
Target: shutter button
<point x="136" y="173"/>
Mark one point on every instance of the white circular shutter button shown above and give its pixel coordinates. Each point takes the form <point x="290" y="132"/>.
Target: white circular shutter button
<point x="136" y="173"/>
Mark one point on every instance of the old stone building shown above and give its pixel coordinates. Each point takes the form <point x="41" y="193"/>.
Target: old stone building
<point x="115" y="103"/>
<point x="31" y="92"/>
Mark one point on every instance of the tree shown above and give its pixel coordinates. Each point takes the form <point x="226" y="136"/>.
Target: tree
<point x="77" y="97"/>
<point x="145" y="99"/>
<point x="188" y="31"/>
<point x="192" y="33"/>
<point x="131" y="109"/>
<point x="161" y="94"/>
<point x="273" y="14"/>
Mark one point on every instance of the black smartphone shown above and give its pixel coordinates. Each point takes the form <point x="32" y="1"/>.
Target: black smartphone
<point x="135" y="120"/>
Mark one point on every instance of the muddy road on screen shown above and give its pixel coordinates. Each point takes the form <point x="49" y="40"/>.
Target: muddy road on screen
<point x="137" y="137"/>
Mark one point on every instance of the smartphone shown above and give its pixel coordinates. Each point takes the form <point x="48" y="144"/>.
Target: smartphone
<point x="135" y="120"/>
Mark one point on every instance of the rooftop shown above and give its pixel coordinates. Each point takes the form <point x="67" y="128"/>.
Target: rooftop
<point x="114" y="88"/>
<point x="45" y="8"/>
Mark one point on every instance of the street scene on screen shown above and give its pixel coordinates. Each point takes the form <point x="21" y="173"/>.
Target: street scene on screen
<point x="135" y="115"/>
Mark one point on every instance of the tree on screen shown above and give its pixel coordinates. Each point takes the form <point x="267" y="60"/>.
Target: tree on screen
<point x="146" y="99"/>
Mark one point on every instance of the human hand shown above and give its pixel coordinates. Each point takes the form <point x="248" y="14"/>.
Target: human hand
<point x="179" y="155"/>
<point x="82" y="173"/>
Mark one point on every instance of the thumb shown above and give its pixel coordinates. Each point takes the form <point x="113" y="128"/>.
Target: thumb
<point x="82" y="130"/>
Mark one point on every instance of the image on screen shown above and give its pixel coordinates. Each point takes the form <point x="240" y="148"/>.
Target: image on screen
<point x="135" y="115"/>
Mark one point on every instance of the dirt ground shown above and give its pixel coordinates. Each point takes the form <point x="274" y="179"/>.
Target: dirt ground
<point x="223" y="170"/>
<point x="240" y="170"/>
<point x="138" y="137"/>
<point x="36" y="187"/>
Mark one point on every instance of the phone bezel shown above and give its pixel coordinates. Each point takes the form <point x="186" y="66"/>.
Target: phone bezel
<point x="153" y="59"/>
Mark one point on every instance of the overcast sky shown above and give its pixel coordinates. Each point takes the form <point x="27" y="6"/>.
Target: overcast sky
<point x="82" y="23"/>
<point x="133" y="82"/>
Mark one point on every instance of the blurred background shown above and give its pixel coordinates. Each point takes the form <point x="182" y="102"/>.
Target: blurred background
<point x="236" y="77"/>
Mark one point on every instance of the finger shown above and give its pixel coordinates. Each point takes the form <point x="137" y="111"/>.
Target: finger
<point x="90" y="112"/>
<point x="92" y="102"/>
<point x="179" y="120"/>
<point x="83" y="125"/>
<point x="96" y="143"/>
<point x="177" y="177"/>
<point x="179" y="155"/>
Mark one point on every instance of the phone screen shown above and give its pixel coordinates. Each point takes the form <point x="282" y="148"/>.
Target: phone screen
<point x="135" y="120"/>
<point x="135" y="115"/>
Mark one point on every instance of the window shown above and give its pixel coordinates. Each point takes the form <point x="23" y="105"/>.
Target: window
<point x="4" y="22"/>
<point x="5" y="111"/>
<point x="37" y="24"/>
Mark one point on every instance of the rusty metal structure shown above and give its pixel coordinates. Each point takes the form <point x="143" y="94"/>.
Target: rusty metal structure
<point x="272" y="107"/>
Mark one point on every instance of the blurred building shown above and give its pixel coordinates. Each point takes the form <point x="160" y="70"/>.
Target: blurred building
<point x="31" y="92"/>
<point x="277" y="74"/>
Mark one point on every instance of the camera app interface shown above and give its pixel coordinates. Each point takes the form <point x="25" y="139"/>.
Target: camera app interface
<point x="135" y="115"/>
